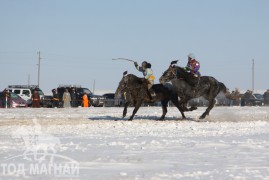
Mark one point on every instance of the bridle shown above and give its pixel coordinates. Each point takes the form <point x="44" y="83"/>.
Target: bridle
<point x="173" y="72"/>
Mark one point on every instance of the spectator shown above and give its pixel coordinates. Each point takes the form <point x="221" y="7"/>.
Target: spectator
<point x="266" y="97"/>
<point x="232" y="99"/>
<point x="247" y="98"/>
<point x="5" y="99"/>
<point x="73" y="94"/>
<point x="237" y="97"/>
<point x="228" y="96"/>
<point x="35" y="100"/>
<point x="55" y="98"/>
<point x="66" y="99"/>
<point x="85" y="101"/>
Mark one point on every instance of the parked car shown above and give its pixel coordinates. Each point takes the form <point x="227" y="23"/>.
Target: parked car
<point x="117" y="101"/>
<point x="26" y="92"/>
<point x="257" y="99"/>
<point x="109" y="99"/>
<point x="14" y="101"/>
<point x="94" y="100"/>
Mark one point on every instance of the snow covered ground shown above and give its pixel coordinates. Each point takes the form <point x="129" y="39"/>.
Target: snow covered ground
<point x="88" y="143"/>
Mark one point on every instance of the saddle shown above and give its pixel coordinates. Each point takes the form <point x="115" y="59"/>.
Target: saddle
<point x="192" y="80"/>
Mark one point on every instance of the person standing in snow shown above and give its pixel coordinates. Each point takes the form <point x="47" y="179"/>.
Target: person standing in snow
<point x="5" y="99"/>
<point x="73" y="94"/>
<point x="66" y="99"/>
<point x="55" y="98"/>
<point x="85" y="101"/>
<point x="266" y="97"/>
<point x="35" y="100"/>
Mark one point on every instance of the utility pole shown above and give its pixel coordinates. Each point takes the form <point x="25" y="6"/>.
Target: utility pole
<point x="39" y="59"/>
<point x="253" y="74"/>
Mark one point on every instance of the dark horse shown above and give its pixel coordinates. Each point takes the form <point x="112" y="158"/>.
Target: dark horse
<point x="184" y="84"/>
<point x="136" y="92"/>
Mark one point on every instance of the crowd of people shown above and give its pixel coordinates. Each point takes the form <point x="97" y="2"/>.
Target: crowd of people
<point x="68" y="99"/>
<point x="236" y="98"/>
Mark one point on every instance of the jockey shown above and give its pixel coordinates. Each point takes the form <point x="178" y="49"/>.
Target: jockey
<point x="145" y="68"/>
<point x="193" y="65"/>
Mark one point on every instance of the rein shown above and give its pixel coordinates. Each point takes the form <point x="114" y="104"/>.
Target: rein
<point x="173" y="72"/>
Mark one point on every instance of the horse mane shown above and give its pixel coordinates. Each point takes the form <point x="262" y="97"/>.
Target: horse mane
<point x="137" y="80"/>
<point x="182" y="74"/>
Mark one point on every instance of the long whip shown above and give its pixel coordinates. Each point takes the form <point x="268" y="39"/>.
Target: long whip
<point x="124" y="59"/>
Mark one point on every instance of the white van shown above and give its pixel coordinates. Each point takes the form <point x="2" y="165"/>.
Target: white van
<point x="25" y="91"/>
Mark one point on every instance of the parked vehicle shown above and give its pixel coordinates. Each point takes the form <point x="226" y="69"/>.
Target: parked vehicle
<point x="47" y="101"/>
<point x="257" y="99"/>
<point x="109" y="99"/>
<point x="14" y="101"/>
<point x="94" y="100"/>
<point x="26" y="92"/>
<point x="253" y="100"/>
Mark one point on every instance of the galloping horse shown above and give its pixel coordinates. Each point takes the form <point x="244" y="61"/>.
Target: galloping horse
<point x="183" y="82"/>
<point x="136" y="92"/>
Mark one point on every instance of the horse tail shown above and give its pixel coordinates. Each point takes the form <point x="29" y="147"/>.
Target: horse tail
<point x="119" y="90"/>
<point x="222" y="87"/>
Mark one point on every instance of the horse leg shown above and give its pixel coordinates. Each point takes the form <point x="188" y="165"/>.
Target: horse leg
<point x="179" y="107"/>
<point x="164" y="107"/>
<point x="137" y="106"/>
<point x="125" y="109"/>
<point x="185" y="104"/>
<point x="208" y="109"/>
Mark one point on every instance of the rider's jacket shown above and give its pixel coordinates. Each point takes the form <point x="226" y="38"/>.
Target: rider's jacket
<point x="148" y="73"/>
<point x="193" y="66"/>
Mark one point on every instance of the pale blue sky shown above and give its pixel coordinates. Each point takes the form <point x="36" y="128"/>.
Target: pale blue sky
<point x="78" y="39"/>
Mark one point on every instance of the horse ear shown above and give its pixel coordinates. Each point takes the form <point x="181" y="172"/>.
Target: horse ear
<point x="125" y="72"/>
<point x="173" y="62"/>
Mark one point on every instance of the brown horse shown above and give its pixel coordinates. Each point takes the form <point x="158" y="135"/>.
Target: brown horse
<point x="136" y="93"/>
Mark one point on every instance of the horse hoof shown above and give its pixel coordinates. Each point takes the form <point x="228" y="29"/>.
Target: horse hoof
<point x="193" y="108"/>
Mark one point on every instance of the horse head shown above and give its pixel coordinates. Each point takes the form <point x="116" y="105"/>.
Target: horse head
<point x="174" y="72"/>
<point x="168" y="75"/>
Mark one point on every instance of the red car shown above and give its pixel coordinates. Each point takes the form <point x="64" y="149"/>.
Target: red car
<point x="13" y="101"/>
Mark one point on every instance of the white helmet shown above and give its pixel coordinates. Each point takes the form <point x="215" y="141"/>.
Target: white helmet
<point x="191" y="55"/>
